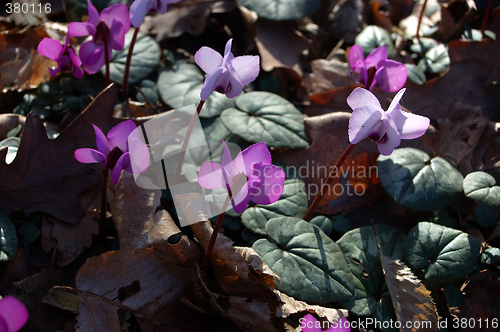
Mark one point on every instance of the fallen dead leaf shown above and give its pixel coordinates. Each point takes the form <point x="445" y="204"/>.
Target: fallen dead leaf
<point x="45" y="176"/>
<point x="139" y="225"/>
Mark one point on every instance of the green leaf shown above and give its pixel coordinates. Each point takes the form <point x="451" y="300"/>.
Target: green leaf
<point x="372" y="37"/>
<point x="10" y="142"/>
<point x="340" y="224"/>
<point x="444" y="254"/>
<point x="280" y="10"/>
<point x="180" y="85"/>
<point x="418" y="182"/>
<point x="442" y="217"/>
<point x="453" y="295"/>
<point x="485" y="216"/>
<point x="8" y="239"/>
<point x="310" y="265"/>
<point x="293" y="203"/>
<point x="324" y="223"/>
<point x="490" y="256"/>
<point x="14" y="131"/>
<point x="480" y="186"/>
<point x="415" y="74"/>
<point x="361" y="253"/>
<point x="435" y="60"/>
<point x="145" y="58"/>
<point x="263" y="116"/>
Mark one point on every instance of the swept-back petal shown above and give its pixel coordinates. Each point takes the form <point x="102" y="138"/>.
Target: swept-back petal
<point x="210" y="176"/>
<point x="77" y="63"/>
<point x="79" y="29"/>
<point x="255" y="153"/>
<point x="356" y="57"/>
<point x="271" y="184"/>
<point x="93" y="14"/>
<point x="121" y="163"/>
<point x="101" y="141"/>
<point x="89" y="156"/>
<point x="217" y="79"/>
<point x="409" y="125"/>
<point x="117" y="37"/>
<point x="361" y="97"/>
<point x="227" y="49"/>
<point x="234" y="87"/>
<point x="395" y="101"/>
<point x="139" y="9"/>
<point x="377" y="55"/>
<point x="14" y="313"/>
<point x="116" y="12"/>
<point x="363" y="121"/>
<point x="241" y="195"/>
<point x="92" y="56"/>
<point x="139" y="156"/>
<point x="208" y="59"/>
<point x="391" y="139"/>
<point x="118" y="135"/>
<point x="309" y="320"/>
<point x="391" y="76"/>
<point x="51" y="49"/>
<point x="228" y="164"/>
<point x="247" y="67"/>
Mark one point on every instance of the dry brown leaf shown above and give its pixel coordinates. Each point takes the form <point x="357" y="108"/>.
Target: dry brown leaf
<point x="9" y="122"/>
<point x="70" y="240"/>
<point x="346" y="19"/>
<point x="481" y="300"/>
<point x="454" y="16"/>
<point x="142" y="281"/>
<point x="460" y="134"/>
<point x="411" y="300"/>
<point x="45" y="176"/>
<point x="328" y="74"/>
<point x="273" y="38"/>
<point x="21" y="67"/>
<point x="139" y="225"/>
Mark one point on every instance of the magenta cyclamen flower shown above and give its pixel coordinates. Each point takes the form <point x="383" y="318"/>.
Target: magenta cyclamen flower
<point x="107" y="28"/>
<point x="250" y="177"/>
<point x="13" y="314"/>
<point x="368" y="119"/>
<point x="65" y="56"/>
<point x="115" y="149"/>
<point x="226" y="74"/>
<point x="376" y="70"/>
<point x="311" y="324"/>
<point x="140" y="8"/>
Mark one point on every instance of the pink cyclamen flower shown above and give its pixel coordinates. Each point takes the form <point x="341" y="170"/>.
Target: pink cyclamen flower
<point x="65" y="56"/>
<point x="140" y="8"/>
<point x="228" y="74"/>
<point x="376" y="70"/>
<point x="310" y="324"/>
<point x="107" y="28"/>
<point x="250" y="177"/>
<point x="115" y="149"/>
<point x="387" y="128"/>
<point x="13" y="314"/>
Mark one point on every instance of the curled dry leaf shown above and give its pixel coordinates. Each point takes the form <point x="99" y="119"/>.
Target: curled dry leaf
<point x="328" y="74"/>
<point x="21" y="66"/>
<point x="142" y="281"/>
<point x="70" y="240"/>
<point x="139" y="225"/>
<point x="45" y="176"/>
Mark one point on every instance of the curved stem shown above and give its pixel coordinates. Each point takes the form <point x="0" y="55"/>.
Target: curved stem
<point x="486" y="17"/>
<point x="185" y="142"/>
<point x="127" y="64"/>
<point x="420" y="18"/>
<point x="105" y="173"/>
<point x="333" y="173"/>
<point x="218" y="224"/>
<point x="106" y="58"/>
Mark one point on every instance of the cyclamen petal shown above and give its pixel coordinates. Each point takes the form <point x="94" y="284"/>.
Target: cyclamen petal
<point x="13" y="314"/>
<point x="377" y="55"/>
<point x="391" y="76"/>
<point x="208" y="59"/>
<point x="247" y="67"/>
<point x="118" y="135"/>
<point x="139" y="9"/>
<point x="311" y="324"/>
<point x="51" y="49"/>
<point x="90" y="156"/>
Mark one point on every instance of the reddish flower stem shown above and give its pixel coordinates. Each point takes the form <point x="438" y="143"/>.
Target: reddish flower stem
<point x="106" y="58"/>
<point x="185" y="142"/>
<point x="105" y="173"/>
<point x="127" y="64"/>
<point x="420" y="18"/>
<point x="333" y="173"/>
<point x="486" y="17"/>
<point x="218" y="224"/>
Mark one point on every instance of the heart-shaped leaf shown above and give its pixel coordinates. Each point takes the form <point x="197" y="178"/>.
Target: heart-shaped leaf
<point x="490" y="256"/>
<point x="485" y="216"/>
<point x="418" y="182"/>
<point x="8" y="239"/>
<point x="310" y="266"/>
<point x="180" y="85"/>
<point x="415" y="74"/>
<point x="372" y="37"/>
<point x="360" y="250"/>
<point x="480" y="186"/>
<point x="263" y="116"/>
<point x="444" y="254"/>
<point x="145" y="57"/>
<point x="280" y="10"/>
<point x="324" y="223"/>
<point x="435" y="60"/>
<point x="293" y="203"/>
